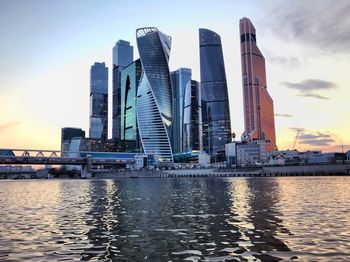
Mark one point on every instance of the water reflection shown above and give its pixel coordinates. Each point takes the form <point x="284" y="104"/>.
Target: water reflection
<point x="239" y="219"/>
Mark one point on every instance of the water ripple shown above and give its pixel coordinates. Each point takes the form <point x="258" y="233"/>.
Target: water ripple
<point x="233" y="219"/>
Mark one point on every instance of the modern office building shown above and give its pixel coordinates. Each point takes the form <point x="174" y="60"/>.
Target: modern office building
<point x="215" y="102"/>
<point x="129" y="81"/>
<point x="192" y="118"/>
<point x="258" y="105"/>
<point x="154" y="95"/>
<point x="67" y="133"/>
<point x="123" y="55"/>
<point x="180" y="79"/>
<point x="98" y="101"/>
<point x="242" y="154"/>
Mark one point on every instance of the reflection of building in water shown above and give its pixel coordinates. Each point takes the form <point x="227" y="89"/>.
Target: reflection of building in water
<point x="268" y="226"/>
<point x="133" y="219"/>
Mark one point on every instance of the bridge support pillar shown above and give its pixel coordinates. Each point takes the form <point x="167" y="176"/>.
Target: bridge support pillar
<point x="86" y="169"/>
<point x="84" y="172"/>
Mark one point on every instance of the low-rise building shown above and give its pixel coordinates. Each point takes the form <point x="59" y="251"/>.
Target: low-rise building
<point x="284" y="157"/>
<point x="242" y="154"/>
<point x="327" y="158"/>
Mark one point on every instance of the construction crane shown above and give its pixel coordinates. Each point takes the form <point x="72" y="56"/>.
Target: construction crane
<point x="296" y="138"/>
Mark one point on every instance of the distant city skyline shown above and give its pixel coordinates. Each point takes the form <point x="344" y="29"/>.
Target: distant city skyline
<point x="47" y="50"/>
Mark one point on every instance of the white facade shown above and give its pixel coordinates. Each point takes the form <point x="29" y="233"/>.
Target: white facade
<point x="246" y="154"/>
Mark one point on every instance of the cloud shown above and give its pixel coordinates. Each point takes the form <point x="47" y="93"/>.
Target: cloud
<point x="284" y="115"/>
<point x="314" y="138"/>
<point x="324" y="25"/>
<point x="307" y="88"/>
<point x="311" y="85"/>
<point x="9" y="125"/>
<point x="287" y="62"/>
<point x="318" y="142"/>
<point x="314" y="96"/>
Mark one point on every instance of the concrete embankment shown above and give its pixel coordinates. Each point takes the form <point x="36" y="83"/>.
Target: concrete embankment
<point x="311" y="170"/>
<point x="314" y="170"/>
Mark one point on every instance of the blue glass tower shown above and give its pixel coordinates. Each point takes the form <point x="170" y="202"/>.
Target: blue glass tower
<point x="215" y="103"/>
<point x="154" y="95"/>
<point x="192" y="118"/>
<point x="98" y="101"/>
<point x="123" y="55"/>
<point x="129" y="82"/>
<point x="180" y="79"/>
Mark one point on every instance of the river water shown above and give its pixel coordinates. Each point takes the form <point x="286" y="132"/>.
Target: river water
<point x="226" y="219"/>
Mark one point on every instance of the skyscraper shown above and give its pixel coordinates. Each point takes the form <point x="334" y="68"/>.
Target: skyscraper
<point x="154" y="95"/>
<point x="98" y="101"/>
<point x="129" y="81"/>
<point x="192" y="118"/>
<point x="123" y="55"/>
<point x="215" y="103"/>
<point x="258" y="105"/>
<point x="180" y="79"/>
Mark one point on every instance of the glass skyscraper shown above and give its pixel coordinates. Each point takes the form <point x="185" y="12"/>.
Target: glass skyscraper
<point x="259" y="116"/>
<point x="154" y="95"/>
<point x="123" y="55"/>
<point x="98" y="101"/>
<point x="215" y="103"/>
<point x="192" y="118"/>
<point x="129" y="81"/>
<point x="180" y="79"/>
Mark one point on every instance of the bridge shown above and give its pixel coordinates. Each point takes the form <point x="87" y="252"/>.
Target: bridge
<point x="85" y="159"/>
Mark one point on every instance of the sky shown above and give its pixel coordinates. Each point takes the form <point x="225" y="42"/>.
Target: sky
<point x="48" y="47"/>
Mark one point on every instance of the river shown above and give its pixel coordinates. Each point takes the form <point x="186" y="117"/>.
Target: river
<point x="197" y="219"/>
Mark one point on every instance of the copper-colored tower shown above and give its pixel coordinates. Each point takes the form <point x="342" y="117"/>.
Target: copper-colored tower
<point x="258" y="105"/>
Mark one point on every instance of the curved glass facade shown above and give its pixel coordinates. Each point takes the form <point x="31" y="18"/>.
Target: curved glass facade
<point x="192" y="118"/>
<point x="215" y="104"/>
<point x="154" y="95"/>
<point x="129" y="81"/>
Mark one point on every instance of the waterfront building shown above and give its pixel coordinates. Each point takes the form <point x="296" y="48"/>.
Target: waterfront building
<point x="258" y="105"/>
<point x="244" y="154"/>
<point x="230" y="151"/>
<point x="98" y="101"/>
<point x="192" y="118"/>
<point x="306" y="155"/>
<point x="215" y="103"/>
<point x="289" y="157"/>
<point x="180" y="79"/>
<point x="129" y="81"/>
<point x="327" y="158"/>
<point x="154" y="94"/>
<point x="123" y="55"/>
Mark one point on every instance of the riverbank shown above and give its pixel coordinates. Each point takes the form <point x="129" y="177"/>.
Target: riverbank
<point x="312" y="170"/>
